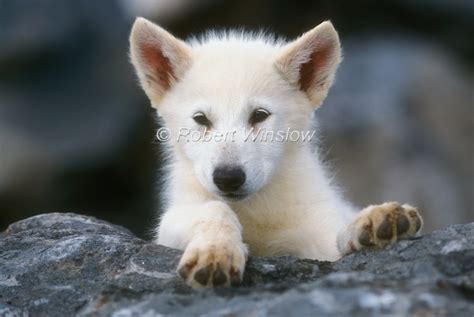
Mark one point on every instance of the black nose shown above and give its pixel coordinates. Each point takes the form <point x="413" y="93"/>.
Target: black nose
<point x="229" y="178"/>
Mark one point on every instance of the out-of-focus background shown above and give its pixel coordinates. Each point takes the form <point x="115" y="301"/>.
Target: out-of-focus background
<point x="77" y="134"/>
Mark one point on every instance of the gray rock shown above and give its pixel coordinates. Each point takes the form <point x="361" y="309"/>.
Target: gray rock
<point x="74" y="128"/>
<point x="65" y="264"/>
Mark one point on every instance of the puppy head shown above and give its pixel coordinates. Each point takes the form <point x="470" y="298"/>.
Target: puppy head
<point x="231" y="100"/>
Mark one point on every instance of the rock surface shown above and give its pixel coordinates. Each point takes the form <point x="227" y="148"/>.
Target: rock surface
<point x="66" y="264"/>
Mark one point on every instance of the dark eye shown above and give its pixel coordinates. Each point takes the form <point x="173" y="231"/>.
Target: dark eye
<point x="201" y="119"/>
<point x="258" y="116"/>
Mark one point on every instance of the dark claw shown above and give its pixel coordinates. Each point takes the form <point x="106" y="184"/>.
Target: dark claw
<point x="202" y="276"/>
<point x="219" y="277"/>
<point x="403" y="224"/>
<point x="234" y="277"/>
<point x="365" y="239"/>
<point x="413" y="214"/>
<point x="384" y="231"/>
<point x="418" y="224"/>
<point x="183" y="272"/>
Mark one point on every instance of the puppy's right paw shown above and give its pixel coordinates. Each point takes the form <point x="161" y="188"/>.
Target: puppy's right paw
<point x="213" y="263"/>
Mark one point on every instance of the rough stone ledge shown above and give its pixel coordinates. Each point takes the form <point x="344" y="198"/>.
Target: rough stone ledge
<point x="64" y="264"/>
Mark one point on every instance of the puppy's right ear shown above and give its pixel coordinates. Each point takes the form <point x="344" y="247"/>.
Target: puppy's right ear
<point x="159" y="58"/>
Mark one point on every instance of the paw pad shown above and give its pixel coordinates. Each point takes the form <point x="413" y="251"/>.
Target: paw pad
<point x="385" y="229"/>
<point x="365" y="237"/>
<point x="202" y="275"/>
<point x="219" y="278"/>
<point x="403" y="224"/>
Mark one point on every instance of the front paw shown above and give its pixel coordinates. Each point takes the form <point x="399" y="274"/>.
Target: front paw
<point x="381" y="225"/>
<point x="213" y="263"/>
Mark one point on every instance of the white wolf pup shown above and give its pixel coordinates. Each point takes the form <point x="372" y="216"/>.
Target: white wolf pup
<point x="225" y="197"/>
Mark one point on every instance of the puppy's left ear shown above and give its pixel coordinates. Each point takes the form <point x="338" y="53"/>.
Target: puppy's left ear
<point x="310" y="62"/>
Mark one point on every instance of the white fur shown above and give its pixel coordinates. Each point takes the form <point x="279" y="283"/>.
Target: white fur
<point x="292" y="207"/>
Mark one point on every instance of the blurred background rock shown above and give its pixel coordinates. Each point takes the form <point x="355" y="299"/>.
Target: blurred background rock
<point x="77" y="134"/>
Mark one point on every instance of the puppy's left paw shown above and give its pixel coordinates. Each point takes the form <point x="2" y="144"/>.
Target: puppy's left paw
<point x="210" y="263"/>
<point x="380" y="225"/>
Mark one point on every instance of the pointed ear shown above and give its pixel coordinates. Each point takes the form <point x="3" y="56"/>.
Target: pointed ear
<point x="159" y="58"/>
<point x="310" y="62"/>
